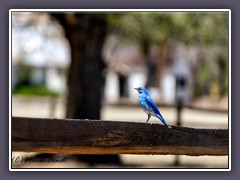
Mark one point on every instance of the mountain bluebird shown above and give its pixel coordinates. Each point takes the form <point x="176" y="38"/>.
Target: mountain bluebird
<point x="148" y="105"/>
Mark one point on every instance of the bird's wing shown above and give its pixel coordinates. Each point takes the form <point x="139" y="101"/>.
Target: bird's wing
<point x="152" y="104"/>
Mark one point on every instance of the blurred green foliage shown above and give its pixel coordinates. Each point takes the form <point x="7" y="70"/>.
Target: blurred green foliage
<point x="24" y="85"/>
<point x="31" y="90"/>
<point x="191" y="28"/>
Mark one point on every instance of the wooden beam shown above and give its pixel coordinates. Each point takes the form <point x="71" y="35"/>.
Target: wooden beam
<point x="111" y="137"/>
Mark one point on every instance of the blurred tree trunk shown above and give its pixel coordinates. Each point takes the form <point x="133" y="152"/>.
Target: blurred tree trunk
<point x="86" y="34"/>
<point x="151" y="65"/>
<point x="223" y="68"/>
<point x="162" y="64"/>
<point x="155" y="65"/>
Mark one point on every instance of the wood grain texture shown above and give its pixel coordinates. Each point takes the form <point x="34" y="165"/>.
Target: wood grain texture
<point x="111" y="137"/>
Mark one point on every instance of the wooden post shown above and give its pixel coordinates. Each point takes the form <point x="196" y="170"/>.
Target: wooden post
<point x="52" y="106"/>
<point x="179" y="112"/>
<point x="179" y="123"/>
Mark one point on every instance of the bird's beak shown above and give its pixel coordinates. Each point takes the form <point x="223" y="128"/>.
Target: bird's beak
<point x="136" y="88"/>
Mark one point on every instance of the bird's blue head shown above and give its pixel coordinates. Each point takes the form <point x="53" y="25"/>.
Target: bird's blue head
<point x="142" y="90"/>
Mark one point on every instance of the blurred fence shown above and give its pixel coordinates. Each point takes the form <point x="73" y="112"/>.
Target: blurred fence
<point x="193" y="107"/>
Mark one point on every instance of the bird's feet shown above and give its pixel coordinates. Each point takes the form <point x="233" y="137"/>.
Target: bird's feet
<point x="169" y="127"/>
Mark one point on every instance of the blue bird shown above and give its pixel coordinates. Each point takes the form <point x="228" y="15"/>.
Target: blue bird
<point x="149" y="106"/>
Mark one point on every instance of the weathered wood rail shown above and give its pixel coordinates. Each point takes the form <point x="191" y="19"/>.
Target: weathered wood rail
<point x="111" y="137"/>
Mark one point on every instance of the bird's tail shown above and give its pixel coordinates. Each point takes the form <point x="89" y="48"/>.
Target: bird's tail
<point x="163" y="121"/>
